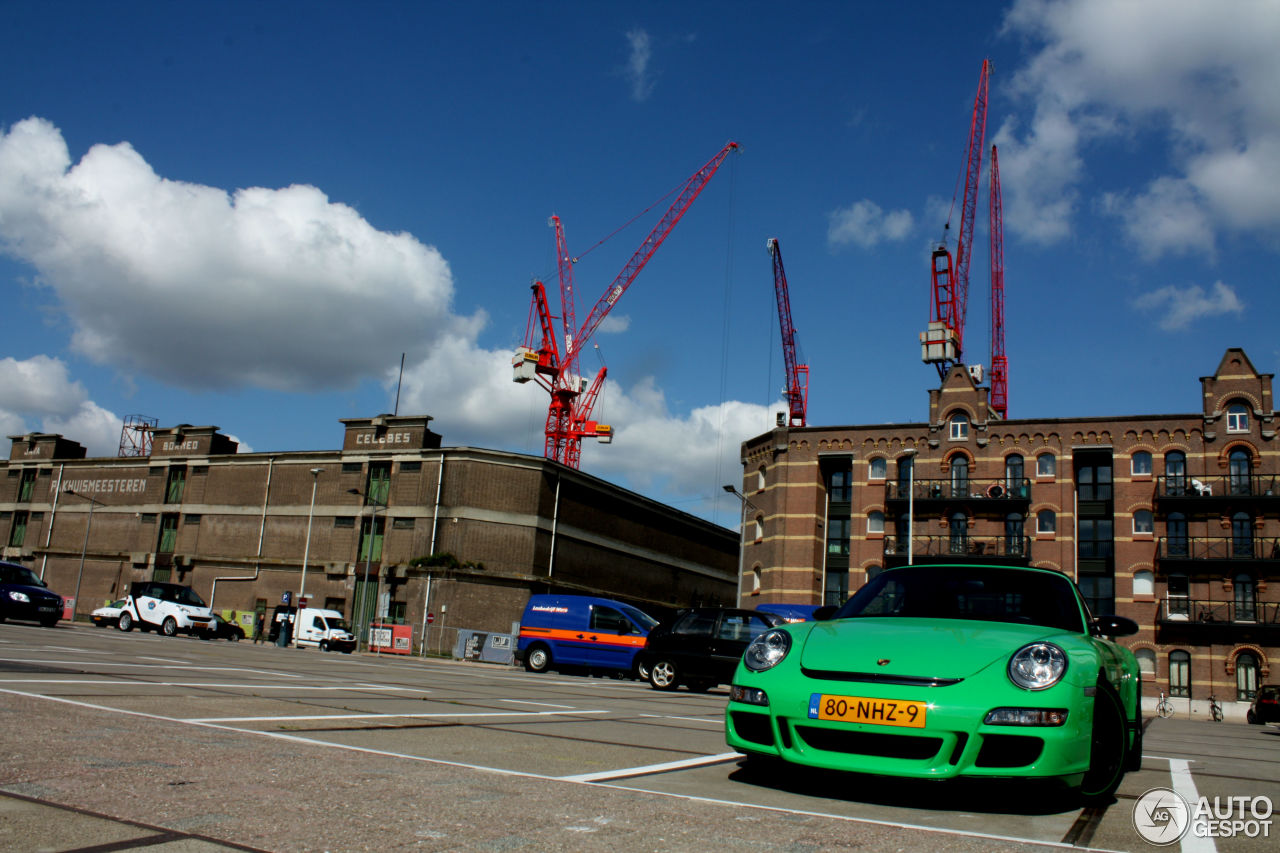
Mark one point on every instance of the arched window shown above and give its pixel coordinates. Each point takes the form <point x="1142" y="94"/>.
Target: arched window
<point x="875" y="521"/>
<point x="760" y="479"/>
<point x="878" y="468"/>
<point x="1140" y="463"/>
<point x="1176" y="544"/>
<point x="1046" y="465"/>
<point x="958" y="540"/>
<point x="1146" y="663"/>
<point x="960" y="477"/>
<point x="759" y="527"/>
<point x="1237" y="418"/>
<point x="1014" y="535"/>
<point x="1014" y="474"/>
<point x="1242" y="535"/>
<point x="1179" y="673"/>
<point x="1144" y="583"/>
<point x="1175" y="473"/>
<point x="1144" y="523"/>
<point x="1239" y="476"/>
<point x="1046" y="521"/>
<point x="1246" y="598"/>
<point x="959" y="427"/>
<point x="755" y="579"/>
<point x="1246" y="676"/>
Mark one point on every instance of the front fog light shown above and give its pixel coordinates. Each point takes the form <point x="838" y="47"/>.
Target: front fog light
<point x="1037" y="666"/>
<point x="1026" y="717"/>
<point x="748" y="695"/>
<point x="767" y="650"/>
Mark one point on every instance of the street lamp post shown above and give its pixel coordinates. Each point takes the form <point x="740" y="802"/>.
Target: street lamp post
<point x="368" y="560"/>
<point x="742" y="534"/>
<point x="83" y="548"/>
<point x="910" y="453"/>
<point x="306" y="550"/>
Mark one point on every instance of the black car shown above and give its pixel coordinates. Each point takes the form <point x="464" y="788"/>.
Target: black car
<point x="221" y="629"/>
<point x="701" y="647"/>
<point x="1266" y="705"/>
<point x="24" y="596"/>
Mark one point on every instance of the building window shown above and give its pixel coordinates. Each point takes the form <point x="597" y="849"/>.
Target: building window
<point x="371" y="536"/>
<point x="1097" y="539"/>
<point x="840" y="486"/>
<point x="1242" y="535"/>
<point x="1146" y="663"/>
<point x="1140" y="464"/>
<point x="1246" y="597"/>
<point x="837" y="587"/>
<point x="402" y="524"/>
<point x="875" y="522"/>
<point x="410" y="467"/>
<point x="344" y="521"/>
<point x="1176" y="535"/>
<point x="1046" y="465"/>
<point x="1144" y="583"/>
<point x="959" y="477"/>
<point x="338" y="604"/>
<point x="1237" y="418"/>
<point x="1099" y="592"/>
<point x="755" y="580"/>
<point x="838" y="536"/>
<point x="1094" y="482"/>
<point x="1239" y="472"/>
<point x="352" y="467"/>
<point x="1014" y="473"/>
<point x="191" y="518"/>
<point x="378" y="486"/>
<point x="1046" y="521"/>
<point x="958" y="533"/>
<point x="28" y="485"/>
<point x="1013" y="535"/>
<point x="760" y="479"/>
<point x="906" y="469"/>
<point x="1180" y="673"/>
<point x="18" y="533"/>
<point x="879" y="468"/>
<point x="168" y="533"/>
<point x="175" y="485"/>
<point x="1143" y="523"/>
<point x="959" y="427"/>
<point x="759" y="528"/>
<point x="1246" y="676"/>
<point x="1175" y="473"/>
<point x="1179" y="603"/>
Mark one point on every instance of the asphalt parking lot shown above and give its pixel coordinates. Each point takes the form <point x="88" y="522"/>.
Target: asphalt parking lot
<point x="122" y="741"/>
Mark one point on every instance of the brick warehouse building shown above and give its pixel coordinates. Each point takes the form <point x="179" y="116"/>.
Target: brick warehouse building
<point x="1171" y="520"/>
<point x="234" y="527"/>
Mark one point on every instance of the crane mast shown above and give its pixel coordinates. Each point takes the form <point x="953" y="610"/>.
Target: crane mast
<point x="943" y="343"/>
<point x="554" y="361"/>
<point x="999" y="401"/>
<point x="797" y="389"/>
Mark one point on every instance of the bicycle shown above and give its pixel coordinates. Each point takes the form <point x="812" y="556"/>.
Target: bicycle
<point x="1215" y="710"/>
<point x="1164" y="707"/>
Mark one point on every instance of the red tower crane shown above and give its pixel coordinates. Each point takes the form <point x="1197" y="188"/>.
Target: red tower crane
<point x="999" y="363"/>
<point x="554" y="361"/>
<point x="797" y="389"/>
<point x="943" y="343"/>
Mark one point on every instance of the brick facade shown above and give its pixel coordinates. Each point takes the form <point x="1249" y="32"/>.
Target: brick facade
<point x="1171" y="520"/>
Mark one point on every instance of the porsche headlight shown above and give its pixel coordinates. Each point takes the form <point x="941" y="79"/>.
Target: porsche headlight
<point x="767" y="650"/>
<point x="1037" y="666"/>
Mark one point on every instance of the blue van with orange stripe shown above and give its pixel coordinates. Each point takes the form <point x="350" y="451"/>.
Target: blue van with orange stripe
<point x="581" y="631"/>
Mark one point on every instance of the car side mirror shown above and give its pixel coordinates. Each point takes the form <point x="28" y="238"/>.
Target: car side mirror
<point x="1114" y="626"/>
<point x="822" y="614"/>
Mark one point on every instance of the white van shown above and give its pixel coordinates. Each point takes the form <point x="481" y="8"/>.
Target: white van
<point x="323" y="629"/>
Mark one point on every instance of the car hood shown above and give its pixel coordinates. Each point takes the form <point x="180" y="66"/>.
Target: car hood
<point x="35" y="593"/>
<point x="915" y="648"/>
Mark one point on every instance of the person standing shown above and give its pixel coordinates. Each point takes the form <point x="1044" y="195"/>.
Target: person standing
<point x="257" y="628"/>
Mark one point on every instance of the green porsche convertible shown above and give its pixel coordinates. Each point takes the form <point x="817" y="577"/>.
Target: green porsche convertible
<point x="939" y="671"/>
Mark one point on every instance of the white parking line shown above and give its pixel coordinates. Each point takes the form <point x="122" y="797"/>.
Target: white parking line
<point x="233" y="685"/>
<point x="685" y="719"/>
<point x="126" y="665"/>
<point x="650" y="769"/>
<point x="540" y="704"/>
<point x="1185" y="786"/>
<point x="163" y="660"/>
<point x="450" y="716"/>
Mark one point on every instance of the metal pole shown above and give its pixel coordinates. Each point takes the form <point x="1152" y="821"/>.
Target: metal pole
<point x="306" y="552"/>
<point x="911" y="504"/>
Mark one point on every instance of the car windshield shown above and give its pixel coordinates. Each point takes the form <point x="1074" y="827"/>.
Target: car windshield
<point x="19" y="575"/>
<point x="186" y="595"/>
<point x="983" y="593"/>
<point x="644" y="620"/>
<point x="336" y="624"/>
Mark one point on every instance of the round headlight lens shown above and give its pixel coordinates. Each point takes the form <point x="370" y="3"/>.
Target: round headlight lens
<point x="1037" y="666"/>
<point x="767" y="650"/>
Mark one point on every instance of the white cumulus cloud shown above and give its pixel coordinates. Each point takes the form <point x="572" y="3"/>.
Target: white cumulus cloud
<point x="1179" y="307"/>
<point x="638" y="65"/>
<point x="37" y="394"/>
<point x="866" y="224"/>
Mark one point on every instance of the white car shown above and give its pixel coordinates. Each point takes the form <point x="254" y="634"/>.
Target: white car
<point x="108" y="614"/>
<point x="169" y="608"/>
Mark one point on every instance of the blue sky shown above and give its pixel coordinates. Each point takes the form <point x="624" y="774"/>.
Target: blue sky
<point x="242" y="214"/>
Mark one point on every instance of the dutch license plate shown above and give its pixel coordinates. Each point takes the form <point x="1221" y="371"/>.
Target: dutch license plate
<point x="859" y="709"/>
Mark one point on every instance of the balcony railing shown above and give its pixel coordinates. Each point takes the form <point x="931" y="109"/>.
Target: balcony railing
<point x="1218" y="486"/>
<point x="1009" y="548"/>
<point x="1003" y="489"/>
<point x="1195" y="611"/>
<point x="1217" y="548"/>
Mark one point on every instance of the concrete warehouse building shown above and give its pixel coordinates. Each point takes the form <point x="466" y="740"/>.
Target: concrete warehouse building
<point x="1171" y="520"/>
<point x="367" y="519"/>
